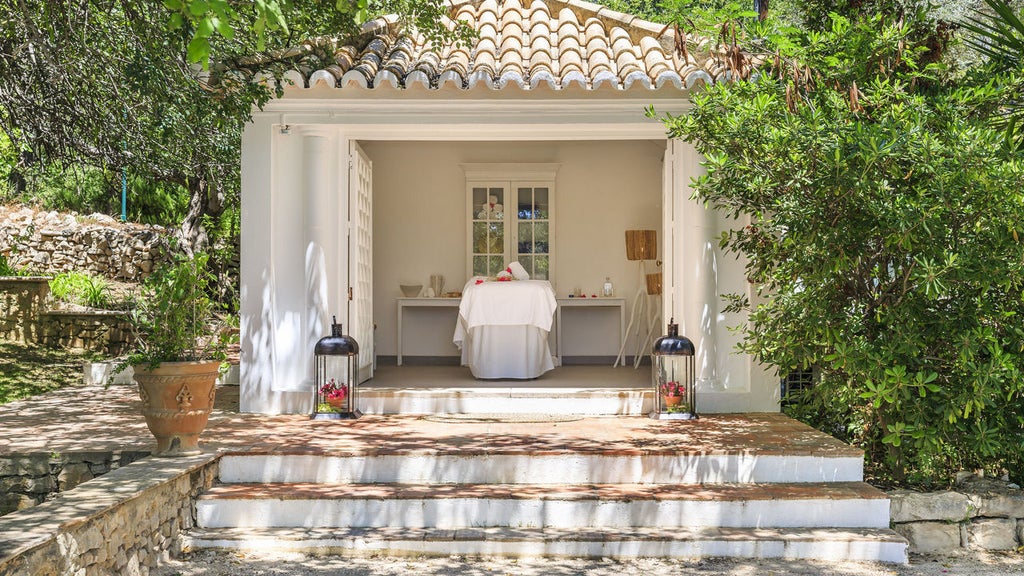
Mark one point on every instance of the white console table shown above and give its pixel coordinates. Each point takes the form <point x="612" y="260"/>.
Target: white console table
<point x="404" y="303"/>
<point x="619" y="303"/>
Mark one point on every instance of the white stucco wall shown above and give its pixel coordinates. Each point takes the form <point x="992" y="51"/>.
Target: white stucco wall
<point x="602" y="189"/>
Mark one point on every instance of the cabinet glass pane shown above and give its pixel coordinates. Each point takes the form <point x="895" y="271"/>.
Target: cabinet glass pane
<point x="540" y="238"/>
<point x="525" y="238"/>
<point x="480" y="266"/>
<point x="525" y="206"/>
<point x="479" y="237"/>
<point x="527" y="262"/>
<point x="540" y="267"/>
<point x="495" y="238"/>
<point x="541" y="204"/>
<point x="479" y="196"/>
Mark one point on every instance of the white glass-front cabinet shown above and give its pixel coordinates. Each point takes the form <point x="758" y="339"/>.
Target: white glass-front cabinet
<point x="510" y="219"/>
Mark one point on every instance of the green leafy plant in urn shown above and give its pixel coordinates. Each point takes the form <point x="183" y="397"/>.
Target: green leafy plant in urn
<point x="178" y="356"/>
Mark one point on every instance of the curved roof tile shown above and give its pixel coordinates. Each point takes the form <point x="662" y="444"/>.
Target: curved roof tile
<point x="322" y="76"/>
<point x="527" y="43"/>
<point x="574" y="77"/>
<point x="450" y="77"/>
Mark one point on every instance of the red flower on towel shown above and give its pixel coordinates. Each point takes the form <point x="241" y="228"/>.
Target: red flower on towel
<point x="479" y="281"/>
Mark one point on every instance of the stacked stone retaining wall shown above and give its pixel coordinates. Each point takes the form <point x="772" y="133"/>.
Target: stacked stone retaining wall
<point x="22" y="300"/>
<point x="126" y="522"/>
<point x="25" y="317"/>
<point x="53" y="242"/>
<point x="102" y="331"/>
<point x="980" y="513"/>
<point x="30" y="479"/>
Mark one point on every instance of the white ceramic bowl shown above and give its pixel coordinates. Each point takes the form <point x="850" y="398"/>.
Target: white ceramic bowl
<point x="411" y="290"/>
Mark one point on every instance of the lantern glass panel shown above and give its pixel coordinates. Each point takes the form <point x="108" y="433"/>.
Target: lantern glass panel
<point x="336" y="392"/>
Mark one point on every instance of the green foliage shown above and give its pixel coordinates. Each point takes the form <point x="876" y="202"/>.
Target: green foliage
<point x="174" y="317"/>
<point x="93" y="88"/>
<point x="881" y="216"/>
<point x="81" y="288"/>
<point x="7" y="270"/>
<point x="208" y="21"/>
<point x="999" y="37"/>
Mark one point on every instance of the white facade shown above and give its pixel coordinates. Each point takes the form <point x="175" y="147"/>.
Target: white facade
<point x="617" y="169"/>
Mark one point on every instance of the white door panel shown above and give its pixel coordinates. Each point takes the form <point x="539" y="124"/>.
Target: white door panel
<point x="360" y="243"/>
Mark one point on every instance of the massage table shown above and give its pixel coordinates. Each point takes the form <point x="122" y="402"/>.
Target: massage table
<point x="503" y="328"/>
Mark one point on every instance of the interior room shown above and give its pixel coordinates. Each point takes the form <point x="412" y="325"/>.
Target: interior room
<point x="423" y="213"/>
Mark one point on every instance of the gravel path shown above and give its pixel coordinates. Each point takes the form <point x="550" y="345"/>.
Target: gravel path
<point x="235" y="564"/>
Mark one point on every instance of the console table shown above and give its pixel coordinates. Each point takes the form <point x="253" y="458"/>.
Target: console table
<point x="619" y="303"/>
<point x="404" y="303"/>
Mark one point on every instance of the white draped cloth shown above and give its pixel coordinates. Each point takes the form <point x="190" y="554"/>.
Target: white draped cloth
<point x="503" y="328"/>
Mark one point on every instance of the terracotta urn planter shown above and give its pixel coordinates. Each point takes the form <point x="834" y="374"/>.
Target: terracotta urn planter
<point x="177" y="398"/>
<point x="673" y="401"/>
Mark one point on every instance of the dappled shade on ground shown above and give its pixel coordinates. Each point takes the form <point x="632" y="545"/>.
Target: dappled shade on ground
<point x="96" y="418"/>
<point x="28" y="370"/>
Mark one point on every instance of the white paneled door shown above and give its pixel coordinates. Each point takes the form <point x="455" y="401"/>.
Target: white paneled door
<point x="360" y="243"/>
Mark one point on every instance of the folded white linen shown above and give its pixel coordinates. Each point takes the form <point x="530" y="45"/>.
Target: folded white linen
<point x="518" y="272"/>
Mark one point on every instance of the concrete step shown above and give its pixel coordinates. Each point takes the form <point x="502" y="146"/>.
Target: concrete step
<point x="822" y="543"/>
<point x="636" y="466"/>
<point x="832" y="505"/>
<point x="597" y="401"/>
<point x="511" y="400"/>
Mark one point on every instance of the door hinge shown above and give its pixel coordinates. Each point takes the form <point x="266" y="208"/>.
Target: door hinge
<point x="350" y="293"/>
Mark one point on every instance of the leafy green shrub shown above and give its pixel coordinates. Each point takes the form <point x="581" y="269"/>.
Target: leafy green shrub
<point x="174" y="319"/>
<point x="80" y="288"/>
<point x="881" y="216"/>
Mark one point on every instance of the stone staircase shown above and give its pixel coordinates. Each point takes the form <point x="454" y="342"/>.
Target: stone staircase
<point x="580" y="499"/>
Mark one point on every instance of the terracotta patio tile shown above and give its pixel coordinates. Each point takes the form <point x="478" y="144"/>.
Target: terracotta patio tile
<point x="108" y="419"/>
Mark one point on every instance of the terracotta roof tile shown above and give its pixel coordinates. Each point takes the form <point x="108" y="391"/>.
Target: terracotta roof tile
<point x="551" y="44"/>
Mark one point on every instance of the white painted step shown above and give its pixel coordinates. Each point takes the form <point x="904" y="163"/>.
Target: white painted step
<point x="881" y="545"/>
<point x="834" y="505"/>
<point x="544" y="468"/>
<point x="511" y="400"/>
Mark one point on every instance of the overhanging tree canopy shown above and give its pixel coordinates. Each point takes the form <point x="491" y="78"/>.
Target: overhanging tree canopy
<point x="116" y="83"/>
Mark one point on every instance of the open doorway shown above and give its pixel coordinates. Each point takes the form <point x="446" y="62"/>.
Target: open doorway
<point x="420" y="213"/>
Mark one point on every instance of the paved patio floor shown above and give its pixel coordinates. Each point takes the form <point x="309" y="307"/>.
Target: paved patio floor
<point x="104" y="419"/>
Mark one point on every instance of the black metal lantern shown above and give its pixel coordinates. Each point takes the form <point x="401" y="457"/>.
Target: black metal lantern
<point x="674" y="377"/>
<point x="335" y="376"/>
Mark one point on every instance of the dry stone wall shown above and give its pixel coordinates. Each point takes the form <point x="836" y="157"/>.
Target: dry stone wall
<point x="127" y="522"/>
<point x="102" y="331"/>
<point x="30" y="479"/>
<point x="22" y="299"/>
<point x="52" y="242"/>
<point x="980" y="513"/>
<point x="25" y="317"/>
